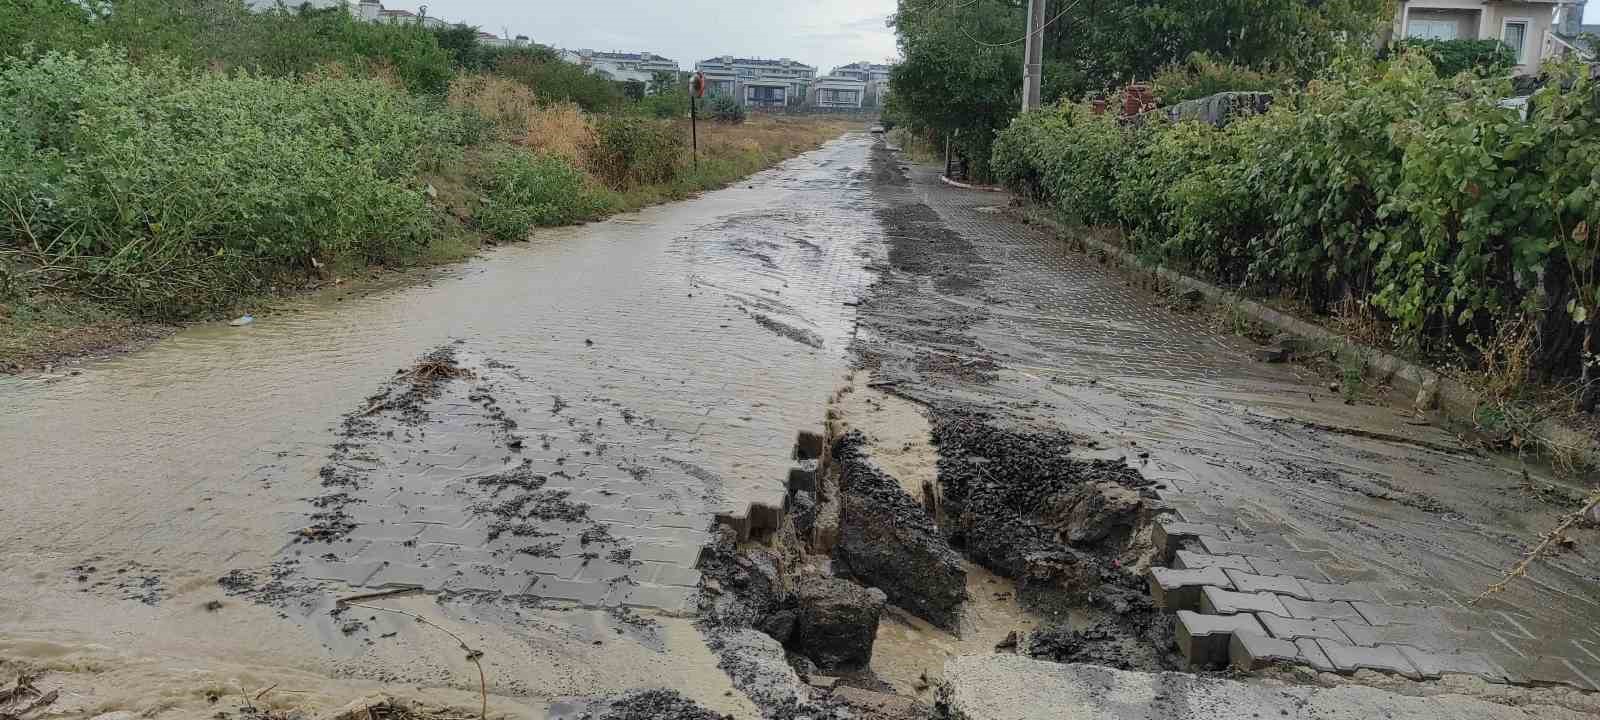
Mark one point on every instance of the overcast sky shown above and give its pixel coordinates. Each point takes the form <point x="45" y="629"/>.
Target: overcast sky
<point x="824" y="33"/>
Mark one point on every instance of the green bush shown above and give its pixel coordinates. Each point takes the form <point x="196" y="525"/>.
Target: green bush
<point x="632" y="151"/>
<point x="726" y="109"/>
<point x="225" y="34"/>
<point x="1203" y="75"/>
<point x="522" y="190"/>
<point x="664" y="106"/>
<point x="172" y="192"/>
<point x="1066" y="155"/>
<point x="1452" y="57"/>
<point x="554" y="81"/>
<point x="1419" y="196"/>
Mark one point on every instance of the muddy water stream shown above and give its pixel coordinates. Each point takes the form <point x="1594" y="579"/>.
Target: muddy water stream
<point x="132" y="487"/>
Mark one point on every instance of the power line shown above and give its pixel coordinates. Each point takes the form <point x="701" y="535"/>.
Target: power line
<point x="1024" y="38"/>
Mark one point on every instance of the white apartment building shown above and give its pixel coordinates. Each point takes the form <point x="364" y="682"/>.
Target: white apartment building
<point x="758" y="82"/>
<point x="874" y="76"/>
<point x="625" y="67"/>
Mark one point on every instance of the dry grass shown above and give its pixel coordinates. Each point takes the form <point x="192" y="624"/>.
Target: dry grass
<point x="562" y="129"/>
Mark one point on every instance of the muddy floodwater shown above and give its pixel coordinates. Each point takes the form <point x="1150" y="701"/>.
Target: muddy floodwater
<point x="527" y="452"/>
<point x="706" y="332"/>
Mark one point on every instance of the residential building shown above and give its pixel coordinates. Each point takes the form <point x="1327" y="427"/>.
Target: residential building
<point x="874" y="75"/>
<point x="625" y="67"/>
<point x="1535" y="30"/>
<point x="758" y="82"/>
<point x="838" y="92"/>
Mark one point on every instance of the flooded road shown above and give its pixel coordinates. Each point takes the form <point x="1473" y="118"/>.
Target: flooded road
<point x="680" y="347"/>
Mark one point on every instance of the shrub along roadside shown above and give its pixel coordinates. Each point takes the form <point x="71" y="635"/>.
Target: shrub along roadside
<point x="1416" y="196"/>
<point x="155" y="193"/>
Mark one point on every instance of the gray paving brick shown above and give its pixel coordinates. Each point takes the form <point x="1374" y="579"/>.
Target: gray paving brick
<point x="1437" y="638"/>
<point x="1398" y="595"/>
<point x="1383" y="659"/>
<point x="587" y="594"/>
<point x="354" y="573"/>
<point x="670" y="575"/>
<point x="1279" y="584"/>
<point x="402" y="575"/>
<point x="1249" y="651"/>
<point x="1311" y="652"/>
<point x="1286" y="628"/>
<point x="1217" y="546"/>
<point x="1216" y="601"/>
<point x="1188" y="560"/>
<point x="1329" y="592"/>
<point x="1180" y="589"/>
<point x="1321" y="610"/>
<point x="672" y="600"/>
<point x="1376" y="614"/>
<point x="1434" y="664"/>
<point x="1294" y="568"/>
<point x="1203" y="639"/>
<point x="1167" y="535"/>
<point x="1550" y="670"/>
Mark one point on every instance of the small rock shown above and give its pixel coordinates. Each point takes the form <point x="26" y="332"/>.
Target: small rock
<point x="1428" y="395"/>
<point x="1010" y="643"/>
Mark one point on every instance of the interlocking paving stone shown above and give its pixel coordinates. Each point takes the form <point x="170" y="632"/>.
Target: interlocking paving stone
<point x="1249" y="651"/>
<point x="1295" y="568"/>
<point x="1188" y="560"/>
<point x="1203" y="639"/>
<point x="1216" y="601"/>
<point x="1384" y="659"/>
<point x="1329" y="592"/>
<point x="1427" y="637"/>
<point x="1295" y="628"/>
<point x="1397" y="595"/>
<point x="1180" y="589"/>
<point x="349" y="573"/>
<point x="1551" y="670"/>
<point x="1376" y="614"/>
<point x="1280" y="584"/>
<point x="1436" y="664"/>
<point x="1217" y="546"/>
<point x="1312" y="654"/>
<point x="1168" y="534"/>
<point x="1321" y="610"/>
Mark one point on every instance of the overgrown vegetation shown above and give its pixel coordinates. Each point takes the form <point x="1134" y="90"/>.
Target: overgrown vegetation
<point x="165" y="160"/>
<point x="1418" y="197"/>
<point x="960" y="76"/>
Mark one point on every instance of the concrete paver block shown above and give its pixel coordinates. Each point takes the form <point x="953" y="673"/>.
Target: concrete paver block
<point x="1383" y="659"/>
<point x="1296" y="628"/>
<point x="1249" y="651"/>
<point x="1168" y="535"/>
<point x="1217" y="601"/>
<point x="1397" y="595"/>
<point x="1203" y="639"/>
<point x="1247" y="546"/>
<point x="1187" y="560"/>
<point x="1376" y="614"/>
<point x="1295" y="568"/>
<point x="1321" y="610"/>
<point x="1012" y="687"/>
<point x="1312" y="654"/>
<point x="1330" y="592"/>
<point x="1280" y="584"/>
<point x="1426" y="637"/>
<point x="1180" y="589"/>
<point x="1434" y="665"/>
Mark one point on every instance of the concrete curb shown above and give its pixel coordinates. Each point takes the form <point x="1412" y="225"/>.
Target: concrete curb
<point x="1456" y="399"/>
<point x="967" y="186"/>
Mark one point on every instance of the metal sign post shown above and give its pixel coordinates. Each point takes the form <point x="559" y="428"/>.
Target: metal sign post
<point x="697" y="89"/>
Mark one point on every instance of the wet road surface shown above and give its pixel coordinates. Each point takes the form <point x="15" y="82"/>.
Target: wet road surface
<point x="621" y="383"/>
<point x="651" y="370"/>
<point x="979" y="309"/>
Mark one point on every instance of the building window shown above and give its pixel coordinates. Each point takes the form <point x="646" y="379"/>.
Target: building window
<point x="766" y="94"/>
<point x="1515" y="35"/>
<point x="1432" y="29"/>
<point x="837" y="97"/>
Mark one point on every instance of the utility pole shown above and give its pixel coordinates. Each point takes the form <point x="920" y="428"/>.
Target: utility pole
<point x="1033" y="61"/>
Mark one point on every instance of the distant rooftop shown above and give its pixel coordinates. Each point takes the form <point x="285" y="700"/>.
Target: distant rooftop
<point x="730" y="60"/>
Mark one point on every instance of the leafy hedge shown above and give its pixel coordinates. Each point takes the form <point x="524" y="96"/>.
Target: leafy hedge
<point x="165" y="190"/>
<point x="523" y="190"/>
<point x="1420" y="195"/>
<point x="1452" y="57"/>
